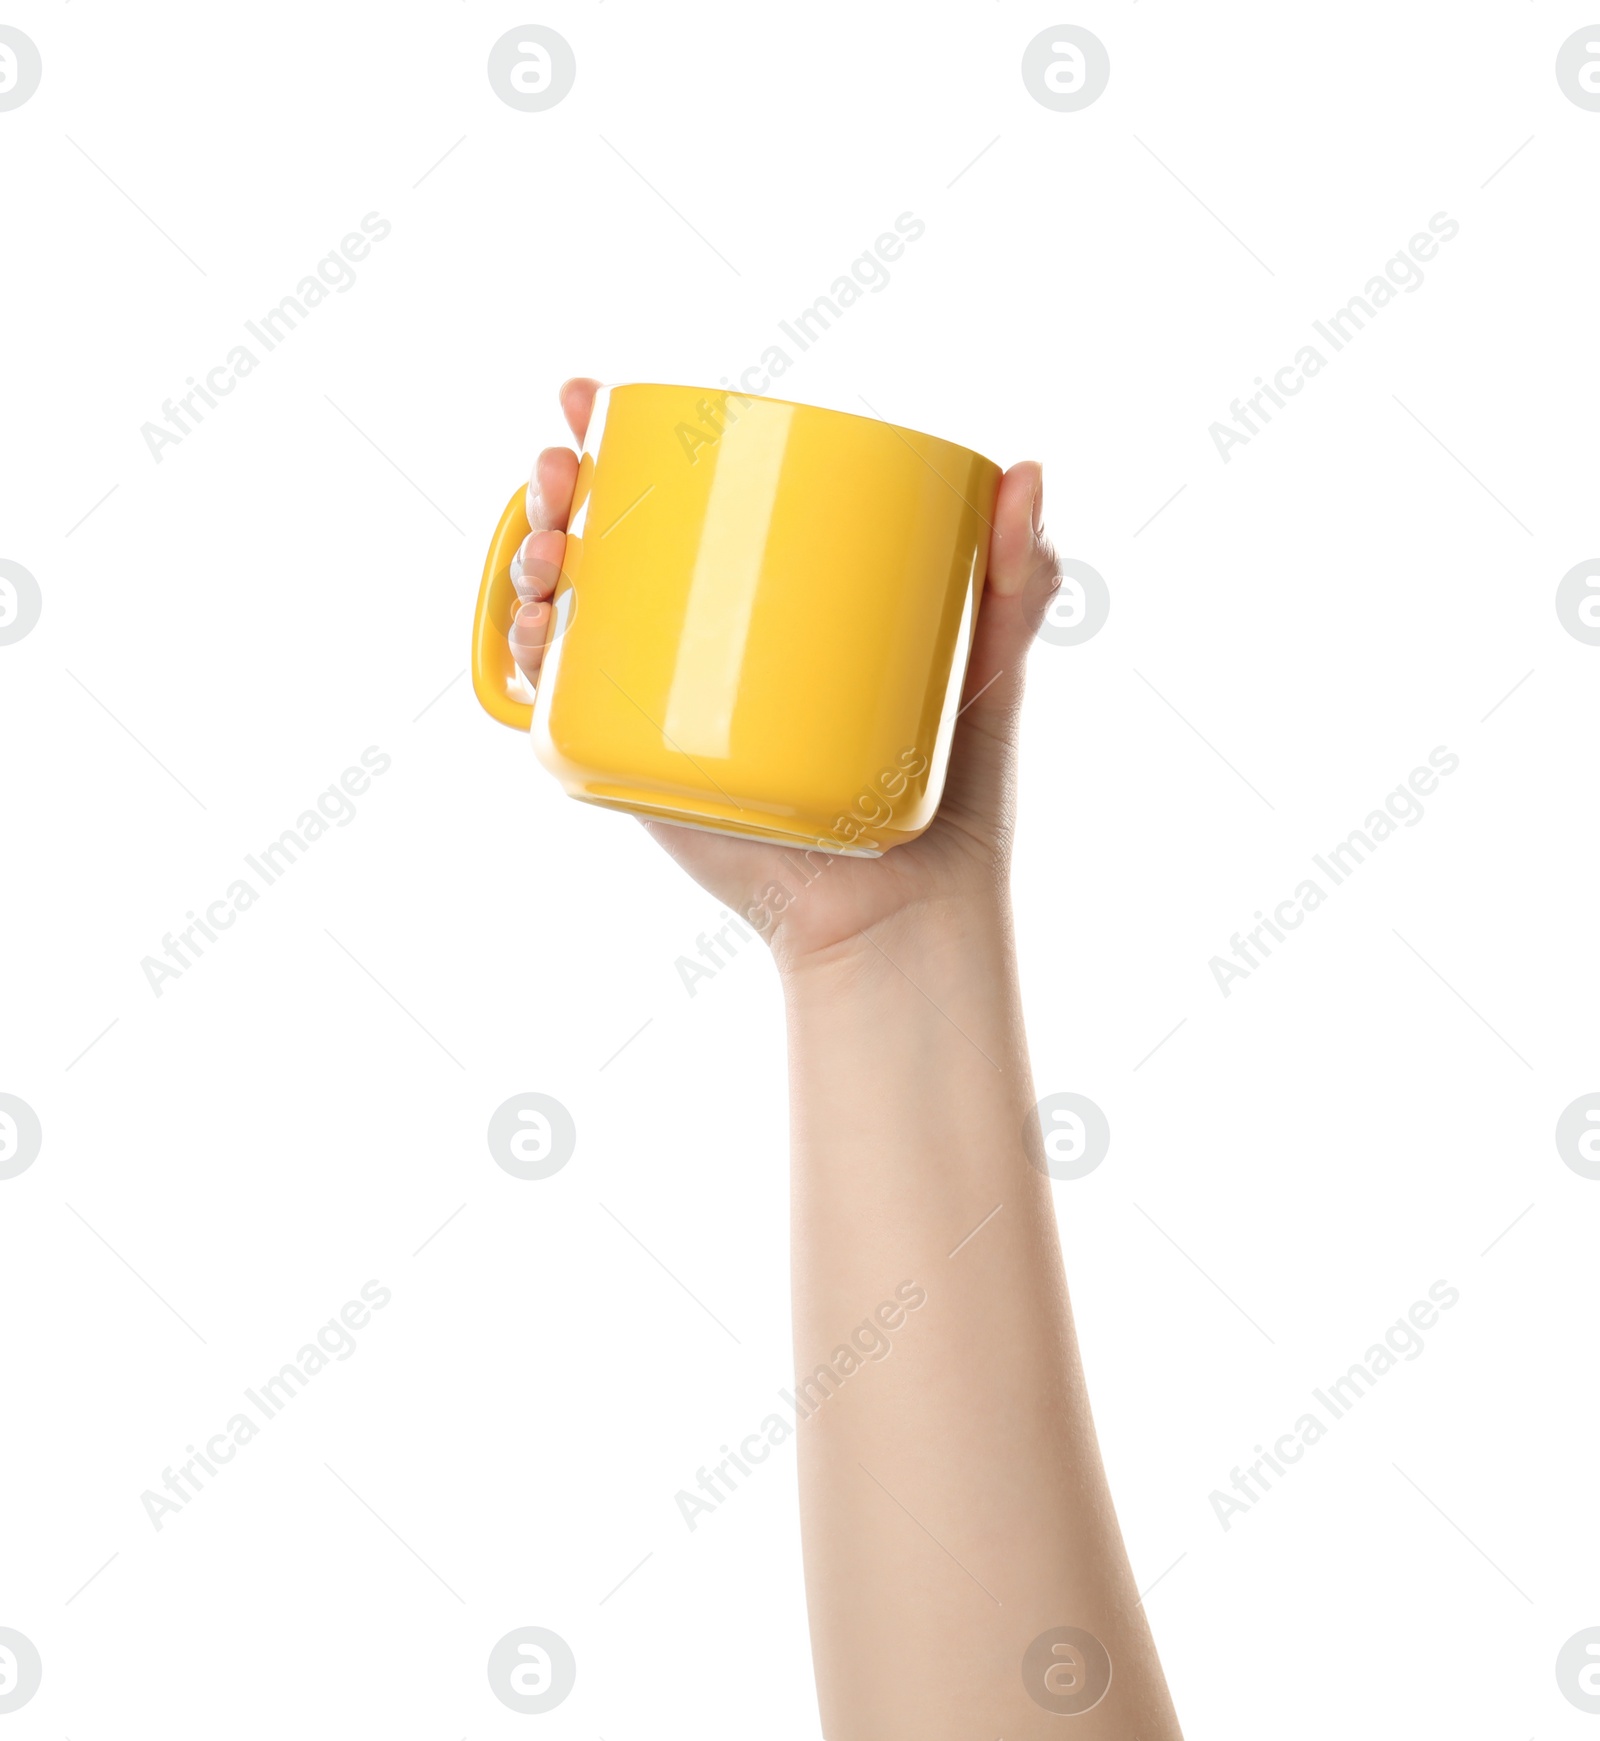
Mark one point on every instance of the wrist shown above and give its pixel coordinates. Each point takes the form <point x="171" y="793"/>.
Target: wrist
<point x="926" y="994"/>
<point x="941" y="941"/>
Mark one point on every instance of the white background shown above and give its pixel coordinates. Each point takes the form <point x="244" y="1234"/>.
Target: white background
<point x="1361" y="1117"/>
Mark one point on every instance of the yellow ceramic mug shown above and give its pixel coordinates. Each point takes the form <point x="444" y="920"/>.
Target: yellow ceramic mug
<point x="762" y="622"/>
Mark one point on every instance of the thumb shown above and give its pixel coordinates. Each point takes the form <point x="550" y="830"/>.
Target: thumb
<point x="1023" y="577"/>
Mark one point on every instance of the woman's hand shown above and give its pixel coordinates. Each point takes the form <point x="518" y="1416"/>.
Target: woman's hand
<point x="954" y="1513"/>
<point x="826" y="904"/>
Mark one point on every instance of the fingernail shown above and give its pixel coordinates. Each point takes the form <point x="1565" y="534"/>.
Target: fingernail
<point x="529" y="626"/>
<point x="533" y="500"/>
<point x="532" y="575"/>
<point x="1038" y="502"/>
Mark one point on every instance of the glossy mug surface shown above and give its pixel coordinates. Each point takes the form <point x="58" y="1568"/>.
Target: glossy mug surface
<point x="762" y="622"/>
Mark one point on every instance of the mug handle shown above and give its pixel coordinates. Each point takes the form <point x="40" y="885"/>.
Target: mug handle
<point x="499" y="685"/>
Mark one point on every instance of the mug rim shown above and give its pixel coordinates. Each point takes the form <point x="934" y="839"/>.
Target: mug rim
<point x="804" y="405"/>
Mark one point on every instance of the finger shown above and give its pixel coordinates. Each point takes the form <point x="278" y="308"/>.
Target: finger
<point x="555" y="473"/>
<point x="536" y="567"/>
<point x="528" y="636"/>
<point x="1021" y="562"/>
<point x="577" y="403"/>
<point x="1023" y="576"/>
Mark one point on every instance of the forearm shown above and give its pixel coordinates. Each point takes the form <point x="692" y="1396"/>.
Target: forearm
<point x="953" y="1502"/>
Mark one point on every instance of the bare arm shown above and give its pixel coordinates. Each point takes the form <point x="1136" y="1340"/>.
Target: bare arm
<point x="965" y="1572"/>
<point x="952" y="1496"/>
